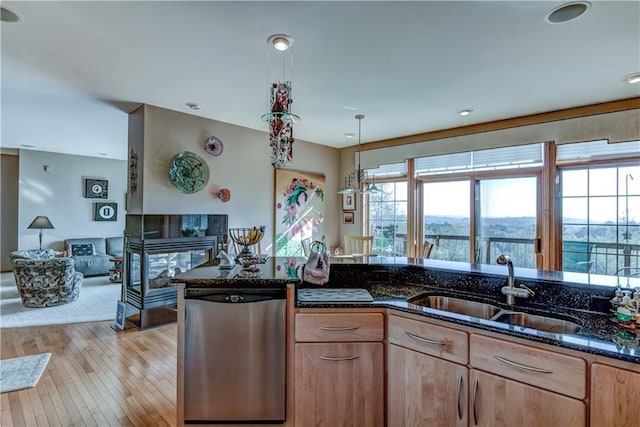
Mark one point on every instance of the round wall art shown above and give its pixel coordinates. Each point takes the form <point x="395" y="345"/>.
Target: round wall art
<point x="188" y="172"/>
<point x="213" y="145"/>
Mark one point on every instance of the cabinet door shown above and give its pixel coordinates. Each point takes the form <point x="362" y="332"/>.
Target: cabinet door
<point x="615" y="397"/>
<point x="339" y="384"/>
<point x="497" y="401"/>
<point x="425" y="390"/>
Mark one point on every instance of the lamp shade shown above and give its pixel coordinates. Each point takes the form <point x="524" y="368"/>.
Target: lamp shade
<point x="41" y="222"/>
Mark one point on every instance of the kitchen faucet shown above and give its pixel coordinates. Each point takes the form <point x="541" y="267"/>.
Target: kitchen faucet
<point x="510" y="290"/>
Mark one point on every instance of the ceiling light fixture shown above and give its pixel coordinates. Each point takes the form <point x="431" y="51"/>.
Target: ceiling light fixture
<point x="567" y="12"/>
<point x="358" y="176"/>
<point x="465" y="112"/>
<point x="632" y="78"/>
<point x="280" y="42"/>
<point x="280" y="118"/>
<point x="193" y="105"/>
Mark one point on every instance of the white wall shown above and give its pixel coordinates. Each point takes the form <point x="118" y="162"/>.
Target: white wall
<point x="58" y="194"/>
<point x="244" y="167"/>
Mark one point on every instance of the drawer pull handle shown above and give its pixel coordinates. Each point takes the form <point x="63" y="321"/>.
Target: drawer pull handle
<point x="339" y="328"/>
<point x="458" y="393"/>
<point x="338" y="359"/>
<point x="474" y="401"/>
<point x="524" y="367"/>
<point x="425" y="340"/>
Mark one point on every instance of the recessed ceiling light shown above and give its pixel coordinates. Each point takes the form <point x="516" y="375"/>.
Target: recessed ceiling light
<point x="350" y="135"/>
<point x="349" y="108"/>
<point x="7" y="16"/>
<point x="280" y="42"/>
<point x="465" y="112"/>
<point x="633" y="78"/>
<point x="102" y="154"/>
<point x="193" y="105"/>
<point x="567" y="12"/>
<point x="27" y="146"/>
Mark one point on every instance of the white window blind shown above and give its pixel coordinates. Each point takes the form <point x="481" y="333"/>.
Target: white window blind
<point x="596" y="150"/>
<point x="519" y="156"/>
<point x="392" y="169"/>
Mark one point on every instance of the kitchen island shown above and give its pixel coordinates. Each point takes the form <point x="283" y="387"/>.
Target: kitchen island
<point x="384" y="327"/>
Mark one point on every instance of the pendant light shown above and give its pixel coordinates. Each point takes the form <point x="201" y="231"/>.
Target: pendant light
<point x="280" y="119"/>
<point x="356" y="176"/>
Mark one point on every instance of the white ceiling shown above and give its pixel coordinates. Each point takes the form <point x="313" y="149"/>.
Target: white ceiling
<point x="71" y="70"/>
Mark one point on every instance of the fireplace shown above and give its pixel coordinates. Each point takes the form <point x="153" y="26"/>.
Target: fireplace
<point x="157" y="247"/>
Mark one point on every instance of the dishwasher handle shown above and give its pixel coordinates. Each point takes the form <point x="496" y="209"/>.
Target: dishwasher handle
<point x="235" y="296"/>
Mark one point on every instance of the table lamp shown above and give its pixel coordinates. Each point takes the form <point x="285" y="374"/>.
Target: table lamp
<point x="41" y="222"/>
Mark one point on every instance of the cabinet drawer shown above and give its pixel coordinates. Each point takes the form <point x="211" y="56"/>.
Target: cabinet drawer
<point x="337" y="327"/>
<point x="425" y="337"/>
<point x="540" y="368"/>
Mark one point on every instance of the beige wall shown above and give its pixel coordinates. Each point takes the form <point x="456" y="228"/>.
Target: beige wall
<point x="244" y="167"/>
<point x="58" y="193"/>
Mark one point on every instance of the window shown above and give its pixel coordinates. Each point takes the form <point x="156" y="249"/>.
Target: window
<point x="447" y="220"/>
<point x="506" y="220"/>
<point x="504" y="217"/>
<point x="601" y="219"/>
<point x="387" y="212"/>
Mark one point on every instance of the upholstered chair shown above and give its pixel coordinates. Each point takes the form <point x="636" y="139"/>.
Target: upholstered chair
<point x="45" y="281"/>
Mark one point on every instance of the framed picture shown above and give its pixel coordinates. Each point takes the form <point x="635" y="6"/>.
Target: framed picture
<point x="96" y="188"/>
<point x="299" y="210"/>
<point x="105" y="212"/>
<point x="121" y="313"/>
<point x="348" y="202"/>
<point x="347" y="217"/>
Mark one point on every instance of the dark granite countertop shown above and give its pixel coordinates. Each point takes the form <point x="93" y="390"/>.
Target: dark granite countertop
<point x="568" y="296"/>
<point x="273" y="272"/>
<point x="394" y="281"/>
<point x="598" y="335"/>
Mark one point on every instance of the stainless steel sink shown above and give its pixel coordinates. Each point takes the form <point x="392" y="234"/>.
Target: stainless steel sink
<point x="457" y="305"/>
<point x="540" y="323"/>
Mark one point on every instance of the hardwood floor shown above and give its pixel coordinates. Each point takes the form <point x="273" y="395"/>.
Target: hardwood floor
<point x="96" y="376"/>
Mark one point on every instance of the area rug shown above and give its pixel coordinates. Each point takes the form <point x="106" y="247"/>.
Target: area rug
<point x="22" y="372"/>
<point x="98" y="301"/>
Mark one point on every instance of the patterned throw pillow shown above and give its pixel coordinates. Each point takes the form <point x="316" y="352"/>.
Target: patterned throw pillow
<point x="82" y="250"/>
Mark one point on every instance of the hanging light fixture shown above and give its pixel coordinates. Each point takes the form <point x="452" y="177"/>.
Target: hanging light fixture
<point x="279" y="118"/>
<point x="353" y="181"/>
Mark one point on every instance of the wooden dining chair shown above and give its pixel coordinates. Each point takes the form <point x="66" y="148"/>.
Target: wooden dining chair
<point x="427" y="247"/>
<point x="358" y="245"/>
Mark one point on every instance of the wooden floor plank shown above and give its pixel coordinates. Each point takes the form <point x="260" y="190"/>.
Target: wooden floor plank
<point x="96" y="376"/>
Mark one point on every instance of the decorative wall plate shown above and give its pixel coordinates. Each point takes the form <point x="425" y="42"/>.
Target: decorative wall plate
<point x="224" y="195"/>
<point x="213" y="145"/>
<point x="188" y="172"/>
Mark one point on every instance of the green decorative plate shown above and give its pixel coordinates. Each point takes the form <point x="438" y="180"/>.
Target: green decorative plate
<point x="188" y="172"/>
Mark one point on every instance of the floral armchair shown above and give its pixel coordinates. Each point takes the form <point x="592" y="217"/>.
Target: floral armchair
<point x="43" y="280"/>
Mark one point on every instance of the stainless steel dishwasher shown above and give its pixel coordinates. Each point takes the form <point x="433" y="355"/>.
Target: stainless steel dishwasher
<point x="234" y="356"/>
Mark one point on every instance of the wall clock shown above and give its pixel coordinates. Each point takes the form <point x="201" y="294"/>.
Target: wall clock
<point x="105" y="212"/>
<point x="96" y="188"/>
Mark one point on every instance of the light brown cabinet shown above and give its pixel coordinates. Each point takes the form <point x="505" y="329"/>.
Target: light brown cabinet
<point x="427" y="377"/>
<point x="497" y="401"/>
<point x="615" y="397"/>
<point x="433" y="370"/>
<point x="425" y="390"/>
<point x="339" y="370"/>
